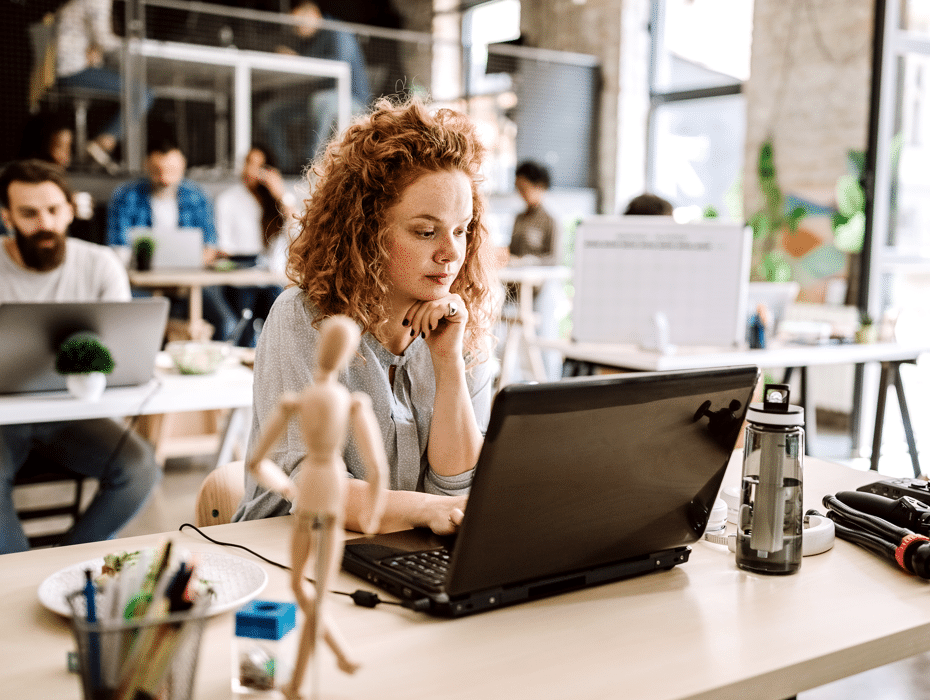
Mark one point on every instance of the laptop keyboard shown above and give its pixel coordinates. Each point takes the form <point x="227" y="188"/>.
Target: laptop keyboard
<point x="427" y="569"/>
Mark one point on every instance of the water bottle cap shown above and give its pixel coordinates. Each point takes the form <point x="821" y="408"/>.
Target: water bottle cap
<point x="757" y="413"/>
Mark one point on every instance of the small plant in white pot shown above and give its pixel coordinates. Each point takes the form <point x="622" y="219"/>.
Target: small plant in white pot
<point x="85" y="362"/>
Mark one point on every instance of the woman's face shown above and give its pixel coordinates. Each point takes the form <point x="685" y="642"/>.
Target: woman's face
<point x="252" y="168"/>
<point x="426" y="237"/>
<point x="59" y="147"/>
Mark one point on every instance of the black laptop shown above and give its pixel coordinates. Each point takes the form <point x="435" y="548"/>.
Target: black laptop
<point x="579" y="482"/>
<point x="31" y="333"/>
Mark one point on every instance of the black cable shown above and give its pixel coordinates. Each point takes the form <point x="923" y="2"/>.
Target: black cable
<point x="365" y="599"/>
<point x="907" y="549"/>
<point x="872" y="523"/>
<point x="874" y="544"/>
<point x="129" y="426"/>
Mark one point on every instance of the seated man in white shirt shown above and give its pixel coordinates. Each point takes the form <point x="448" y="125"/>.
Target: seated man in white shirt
<point x="40" y="263"/>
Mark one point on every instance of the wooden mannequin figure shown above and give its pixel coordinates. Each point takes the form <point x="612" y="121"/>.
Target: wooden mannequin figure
<point x="326" y="410"/>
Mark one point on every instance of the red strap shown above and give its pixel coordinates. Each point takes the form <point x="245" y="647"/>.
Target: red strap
<point x="905" y="543"/>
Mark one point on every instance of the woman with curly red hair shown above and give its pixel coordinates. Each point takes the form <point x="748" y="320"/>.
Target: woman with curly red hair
<point x="393" y="236"/>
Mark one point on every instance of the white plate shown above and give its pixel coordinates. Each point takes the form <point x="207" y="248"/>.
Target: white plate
<point x="235" y="580"/>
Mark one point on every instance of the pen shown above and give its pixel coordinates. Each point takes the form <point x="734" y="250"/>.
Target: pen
<point x="93" y="638"/>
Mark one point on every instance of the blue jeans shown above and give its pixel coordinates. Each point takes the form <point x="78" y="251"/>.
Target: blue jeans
<point x="105" y="80"/>
<point x="218" y="312"/>
<point x="259" y="300"/>
<point x="85" y="447"/>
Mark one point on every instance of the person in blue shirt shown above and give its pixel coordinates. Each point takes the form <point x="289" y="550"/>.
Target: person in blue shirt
<point x="165" y="199"/>
<point x="316" y="114"/>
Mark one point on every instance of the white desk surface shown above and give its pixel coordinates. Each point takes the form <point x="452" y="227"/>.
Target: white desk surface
<point x="170" y="392"/>
<point x="533" y="274"/>
<point x="702" y="630"/>
<point x="635" y="358"/>
<point x="245" y="277"/>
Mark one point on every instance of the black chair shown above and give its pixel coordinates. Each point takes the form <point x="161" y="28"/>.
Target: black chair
<point x="39" y="471"/>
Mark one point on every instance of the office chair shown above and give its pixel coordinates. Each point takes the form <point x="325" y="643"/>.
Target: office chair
<point x="220" y="493"/>
<point x="39" y="471"/>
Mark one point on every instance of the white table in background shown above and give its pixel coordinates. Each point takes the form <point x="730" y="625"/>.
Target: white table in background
<point x="169" y="392"/>
<point x="890" y="356"/>
<point x="194" y="280"/>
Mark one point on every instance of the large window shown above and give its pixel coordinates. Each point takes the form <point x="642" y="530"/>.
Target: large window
<point x="488" y="23"/>
<point x="700" y="59"/>
<point x="899" y="263"/>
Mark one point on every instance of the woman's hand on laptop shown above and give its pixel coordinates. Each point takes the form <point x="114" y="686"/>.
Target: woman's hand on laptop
<point x="446" y="513"/>
<point x="406" y="509"/>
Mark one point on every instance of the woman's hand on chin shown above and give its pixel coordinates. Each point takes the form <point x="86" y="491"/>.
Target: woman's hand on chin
<point x="442" y="323"/>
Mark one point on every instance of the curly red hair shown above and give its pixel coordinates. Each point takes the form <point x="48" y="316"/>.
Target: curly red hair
<point x="338" y="257"/>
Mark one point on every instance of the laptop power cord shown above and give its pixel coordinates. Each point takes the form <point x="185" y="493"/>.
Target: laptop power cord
<point x="364" y="599"/>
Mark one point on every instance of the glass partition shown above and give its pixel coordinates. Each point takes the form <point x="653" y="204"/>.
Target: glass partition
<point x="223" y="78"/>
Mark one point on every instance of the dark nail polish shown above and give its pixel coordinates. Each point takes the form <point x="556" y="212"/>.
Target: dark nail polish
<point x="422" y="335"/>
<point x="412" y="332"/>
<point x="406" y="322"/>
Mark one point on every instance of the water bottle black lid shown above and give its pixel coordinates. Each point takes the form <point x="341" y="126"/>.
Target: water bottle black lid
<point x="776" y="408"/>
<point x="775" y="398"/>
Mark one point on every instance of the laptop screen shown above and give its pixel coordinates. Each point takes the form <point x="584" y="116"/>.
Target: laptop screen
<point x="175" y="249"/>
<point x="583" y="472"/>
<point x="31" y="332"/>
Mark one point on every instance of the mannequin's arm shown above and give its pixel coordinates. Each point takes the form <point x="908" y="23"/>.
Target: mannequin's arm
<point x="264" y="471"/>
<point x="371" y="446"/>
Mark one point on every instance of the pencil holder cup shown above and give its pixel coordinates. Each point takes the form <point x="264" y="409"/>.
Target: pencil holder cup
<point x="150" y="657"/>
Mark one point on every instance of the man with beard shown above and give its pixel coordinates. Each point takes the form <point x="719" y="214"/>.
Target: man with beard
<point x="40" y="263"/>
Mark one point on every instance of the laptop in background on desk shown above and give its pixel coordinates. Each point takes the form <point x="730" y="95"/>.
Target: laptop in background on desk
<point x="579" y="482"/>
<point x="31" y="332"/>
<point x="175" y="249"/>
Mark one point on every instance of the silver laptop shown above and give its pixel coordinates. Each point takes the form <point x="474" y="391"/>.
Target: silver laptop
<point x="31" y="332"/>
<point x="579" y="482"/>
<point x="175" y="249"/>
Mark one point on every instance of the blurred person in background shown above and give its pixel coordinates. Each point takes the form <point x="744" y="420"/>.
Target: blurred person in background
<point x="41" y="262"/>
<point x="648" y="204"/>
<point x="252" y="221"/>
<point x="166" y="199"/>
<point x="317" y="114"/>
<point x="83" y="38"/>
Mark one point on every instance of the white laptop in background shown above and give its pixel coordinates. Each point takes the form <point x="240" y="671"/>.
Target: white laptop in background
<point x="175" y="249"/>
<point x="31" y="333"/>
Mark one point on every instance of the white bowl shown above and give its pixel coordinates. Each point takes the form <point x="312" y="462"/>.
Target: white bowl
<point x="196" y="357"/>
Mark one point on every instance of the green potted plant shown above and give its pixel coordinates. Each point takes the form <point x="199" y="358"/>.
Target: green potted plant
<point x="85" y="361"/>
<point x="868" y="331"/>
<point x="143" y="248"/>
<point x="771" y="222"/>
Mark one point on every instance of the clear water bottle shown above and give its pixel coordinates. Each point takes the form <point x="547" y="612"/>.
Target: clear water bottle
<point x="770" y="520"/>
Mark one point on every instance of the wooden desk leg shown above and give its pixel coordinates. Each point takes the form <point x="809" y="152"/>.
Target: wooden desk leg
<point x="534" y="354"/>
<point x="236" y="426"/>
<point x="510" y="355"/>
<point x="883" y="384"/>
<point x="905" y="417"/>
<point x="195" y="313"/>
<point x="528" y="331"/>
